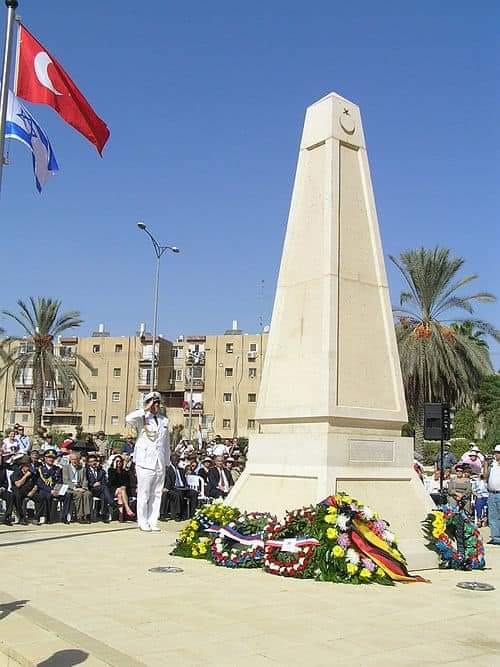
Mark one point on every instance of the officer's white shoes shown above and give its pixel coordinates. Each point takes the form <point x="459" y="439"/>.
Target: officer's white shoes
<point x="145" y="529"/>
<point x="155" y="529"/>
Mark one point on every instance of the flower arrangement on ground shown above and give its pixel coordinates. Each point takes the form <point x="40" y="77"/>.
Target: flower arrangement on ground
<point x="456" y="539"/>
<point x="290" y="546"/>
<point x="338" y="540"/>
<point x="356" y="545"/>
<point x="196" y="538"/>
<point x="240" y="543"/>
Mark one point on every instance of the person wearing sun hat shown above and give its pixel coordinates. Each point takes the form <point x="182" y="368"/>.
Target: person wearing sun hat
<point x="151" y="457"/>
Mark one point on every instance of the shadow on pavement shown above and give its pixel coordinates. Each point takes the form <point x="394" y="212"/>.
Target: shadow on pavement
<point x="65" y="658"/>
<point x="65" y="537"/>
<point x="9" y="607"/>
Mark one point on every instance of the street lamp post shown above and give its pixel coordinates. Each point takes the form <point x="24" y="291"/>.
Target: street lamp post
<point x="159" y="250"/>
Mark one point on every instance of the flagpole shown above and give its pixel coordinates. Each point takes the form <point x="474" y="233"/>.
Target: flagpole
<point x="7" y="62"/>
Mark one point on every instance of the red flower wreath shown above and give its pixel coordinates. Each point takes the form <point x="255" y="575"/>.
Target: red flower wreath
<point x="289" y="549"/>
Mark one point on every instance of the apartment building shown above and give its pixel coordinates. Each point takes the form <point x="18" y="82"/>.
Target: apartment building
<point x="216" y="380"/>
<point x="118" y="376"/>
<point x="207" y="382"/>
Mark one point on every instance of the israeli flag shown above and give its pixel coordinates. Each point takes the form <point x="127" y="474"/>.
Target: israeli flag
<point x="21" y="125"/>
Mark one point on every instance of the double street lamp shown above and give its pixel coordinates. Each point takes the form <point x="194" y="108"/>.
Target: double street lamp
<point x="159" y="251"/>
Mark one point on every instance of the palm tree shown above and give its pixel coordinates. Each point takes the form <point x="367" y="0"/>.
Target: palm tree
<point x="438" y="362"/>
<point x="468" y="329"/>
<point x="41" y="321"/>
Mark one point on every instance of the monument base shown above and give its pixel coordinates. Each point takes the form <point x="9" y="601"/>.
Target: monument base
<point x="297" y="466"/>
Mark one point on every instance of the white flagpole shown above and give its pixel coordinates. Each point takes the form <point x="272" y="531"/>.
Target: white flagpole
<point x="7" y="62"/>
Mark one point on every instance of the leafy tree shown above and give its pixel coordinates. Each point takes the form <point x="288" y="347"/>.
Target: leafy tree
<point x="41" y="321"/>
<point x="489" y="407"/>
<point x="438" y="362"/>
<point x="464" y="424"/>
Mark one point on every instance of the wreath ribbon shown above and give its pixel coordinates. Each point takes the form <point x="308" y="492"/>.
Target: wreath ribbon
<point x="305" y="542"/>
<point x="390" y="560"/>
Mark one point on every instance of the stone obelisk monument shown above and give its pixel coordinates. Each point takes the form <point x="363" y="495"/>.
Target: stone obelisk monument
<point x="331" y="402"/>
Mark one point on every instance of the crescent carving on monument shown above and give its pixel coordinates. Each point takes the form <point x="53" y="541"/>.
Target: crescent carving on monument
<point x="41" y="63"/>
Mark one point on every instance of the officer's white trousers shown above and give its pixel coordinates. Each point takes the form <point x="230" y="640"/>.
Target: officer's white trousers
<point x="149" y="493"/>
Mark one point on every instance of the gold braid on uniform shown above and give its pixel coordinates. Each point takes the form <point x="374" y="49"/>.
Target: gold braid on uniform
<point x="48" y="481"/>
<point x="151" y="434"/>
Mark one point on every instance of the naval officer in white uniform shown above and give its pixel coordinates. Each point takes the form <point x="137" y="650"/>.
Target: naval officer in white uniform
<point x="151" y="457"/>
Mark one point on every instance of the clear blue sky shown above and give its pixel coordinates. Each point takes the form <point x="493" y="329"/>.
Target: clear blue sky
<point x="205" y="102"/>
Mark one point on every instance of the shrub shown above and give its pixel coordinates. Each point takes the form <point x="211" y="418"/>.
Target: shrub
<point x="464" y="424"/>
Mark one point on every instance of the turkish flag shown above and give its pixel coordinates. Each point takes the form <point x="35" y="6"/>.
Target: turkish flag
<point x="42" y="80"/>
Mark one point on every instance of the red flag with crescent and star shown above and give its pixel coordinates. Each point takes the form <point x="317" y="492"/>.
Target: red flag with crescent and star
<point x="42" y="80"/>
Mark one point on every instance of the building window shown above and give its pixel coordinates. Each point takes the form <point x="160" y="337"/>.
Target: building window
<point x="229" y="348"/>
<point x="92" y="395"/>
<point x="115" y="396"/>
<point x="252" y="372"/>
<point x="253" y="347"/>
<point x="114" y="421"/>
<point x="117" y="372"/>
<point x="118" y="347"/>
<point x="251" y="424"/>
<point x="178" y="374"/>
<point x="227" y="398"/>
<point x="91" y="420"/>
<point x="177" y="352"/>
<point x="252" y="398"/>
<point x="24" y="417"/>
<point x="228" y="372"/>
<point x="94" y="372"/>
<point x="226" y="423"/>
<point x="96" y="349"/>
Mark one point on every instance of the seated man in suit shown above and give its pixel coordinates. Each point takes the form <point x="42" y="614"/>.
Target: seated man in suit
<point x="98" y="486"/>
<point x="23" y="482"/>
<point x="178" y="499"/>
<point x="220" y="479"/>
<point x="74" y="475"/>
<point x="48" y="476"/>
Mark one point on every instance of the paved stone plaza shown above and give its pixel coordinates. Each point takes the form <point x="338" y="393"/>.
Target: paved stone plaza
<point x="83" y="595"/>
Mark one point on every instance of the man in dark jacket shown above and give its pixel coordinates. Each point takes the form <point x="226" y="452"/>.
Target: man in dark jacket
<point x="220" y="480"/>
<point x="48" y="476"/>
<point x="24" y="488"/>
<point x="178" y="499"/>
<point x="98" y="485"/>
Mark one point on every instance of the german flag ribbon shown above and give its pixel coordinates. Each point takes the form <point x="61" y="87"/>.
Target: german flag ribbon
<point x="387" y="558"/>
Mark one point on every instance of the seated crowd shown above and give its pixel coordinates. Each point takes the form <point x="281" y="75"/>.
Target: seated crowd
<point x="90" y="481"/>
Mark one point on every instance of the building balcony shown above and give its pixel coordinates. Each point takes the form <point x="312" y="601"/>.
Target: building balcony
<point x="198" y="384"/>
<point x="24" y="384"/>
<point x="145" y="360"/>
<point x="195" y="339"/>
<point x="60" y="410"/>
<point x="195" y="412"/>
<point x="68" y="340"/>
<point x="252" y="356"/>
<point x="22" y="408"/>
<point x="70" y="360"/>
<point x="143" y="386"/>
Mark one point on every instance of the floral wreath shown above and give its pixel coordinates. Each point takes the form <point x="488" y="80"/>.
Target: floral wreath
<point x="290" y="547"/>
<point x="357" y="546"/>
<point x="456" y="539"/>
<point x="241" y="542"/>
<point x="196" y="538"/>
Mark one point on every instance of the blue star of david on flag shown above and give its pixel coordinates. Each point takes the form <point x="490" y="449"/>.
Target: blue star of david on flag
<point x="23" y="127"/>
